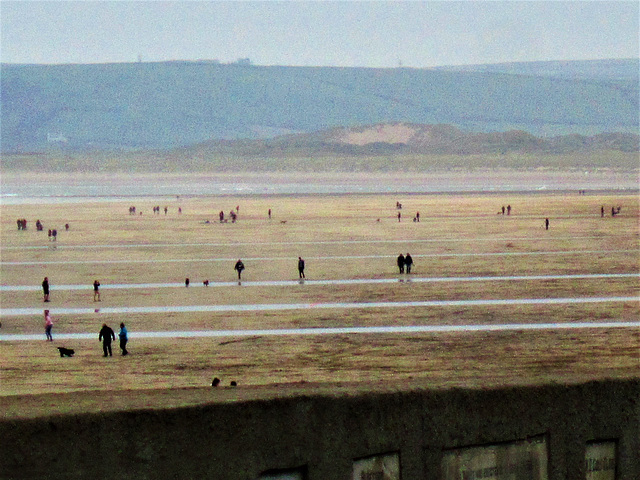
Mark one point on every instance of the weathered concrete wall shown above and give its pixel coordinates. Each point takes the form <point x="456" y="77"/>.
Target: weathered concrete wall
<point x="323" y="435"/>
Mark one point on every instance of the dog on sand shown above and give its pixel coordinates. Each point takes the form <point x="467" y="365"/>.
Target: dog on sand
<point x="68" y="352"/>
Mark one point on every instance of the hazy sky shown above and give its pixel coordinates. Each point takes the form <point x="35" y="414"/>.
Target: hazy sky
<point x="346" y="33"/>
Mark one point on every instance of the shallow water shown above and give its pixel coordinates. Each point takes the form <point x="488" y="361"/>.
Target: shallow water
<point x="291" y="283"/>
<point x="336" y="331"/>
<point x="336" y="257"/>
<point x="78" y="188"/>
<point x="315" y="306"/>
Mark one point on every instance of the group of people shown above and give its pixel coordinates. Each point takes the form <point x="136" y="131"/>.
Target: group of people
<point x="156" y="210"/>
<point x="106" y="335"/>
<point x="52" y="233"/>
<point x="405" y="262"/>
<point x="233" y="215"/>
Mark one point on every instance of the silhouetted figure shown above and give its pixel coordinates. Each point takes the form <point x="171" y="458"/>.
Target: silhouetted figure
<point x="503" y="209"/>
<point x="123" y="335"/>
<point x="54" y="234"/>
<point x="301" y="267"/>
<point x="45" y="288"/>
<point x="39" y="226"/>
<point x="239" y="267"/>
<point x="546" y="224"/>
<point x="602" y="211"/>
<point x="66" y="227"/>
<point x="221" y="216"/>
<point x="186" y="282"/>
<point x="399" y="216"/>
<point x="400" y="262"/>
<point x="417" y="216"/>
<point x="269" y="213"/>
<point x="613" y="211"/>
<point x="106" y="335"/>
<point x="508" y="209"/>
<point x="96" y="291"/>
<point x="215" y="382"/>
<point x="408" y="262"/>
<point x="206" y="283"/>
<point x="165" y="210"/>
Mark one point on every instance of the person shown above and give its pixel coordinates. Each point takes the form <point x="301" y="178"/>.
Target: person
<point x="508" y="209"/>
<point x="399" y="216"/>
<point x="503" y="209"/>
<point x="122" y="334"/>
<point x="401" y="263"/>
<point x="106" y="335"/>
<point x="45" y="288"/>
<point x="602" y="211"/>
<point x="96" y="291"/>
<point x="408" y="262"/>
<point x="417" y="216"/>
<point x="546" y="224"/>
<point x="186" y="282"/>
<point x="301" y="267"/>
<point x="239" y="268"/>
<point x="48" y="325"/>
<point x="269" y="212"/>
<point x="54" y="234"/>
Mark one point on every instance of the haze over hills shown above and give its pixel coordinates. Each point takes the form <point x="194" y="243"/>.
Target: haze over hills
<point x="180" y="104"/>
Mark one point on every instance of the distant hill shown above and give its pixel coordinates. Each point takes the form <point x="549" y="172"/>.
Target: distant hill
<point x="389" y="147"/>
<point x="167" y="105"/>
<point x="413" y="139"/>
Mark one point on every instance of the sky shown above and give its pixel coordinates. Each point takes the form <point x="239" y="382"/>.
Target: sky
<point x="416" y="34"/>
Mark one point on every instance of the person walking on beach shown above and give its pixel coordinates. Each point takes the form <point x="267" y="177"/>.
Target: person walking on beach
<point x="96" y="291"/>
<point x="408" y="262"/>
<point x="239" y="268"/>
<point x="401" y="263"/>
<point x="546" y="224"/>
<point x="48" y="325"/>
<point x="124" y="337"/>
<point x="301" y="267"/>
<point x="45" y="288"/>
<point x="106" y="335"/>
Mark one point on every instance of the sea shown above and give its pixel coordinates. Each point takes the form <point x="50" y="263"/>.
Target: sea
<point x="30" y="188"/>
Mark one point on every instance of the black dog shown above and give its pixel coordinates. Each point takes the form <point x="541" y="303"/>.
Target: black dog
<point x="66" y="351"/>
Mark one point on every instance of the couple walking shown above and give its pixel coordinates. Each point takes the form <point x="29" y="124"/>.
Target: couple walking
<point x="405" y="262"/>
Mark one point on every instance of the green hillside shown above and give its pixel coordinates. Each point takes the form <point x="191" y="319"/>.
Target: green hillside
<point x="171" y="104"/>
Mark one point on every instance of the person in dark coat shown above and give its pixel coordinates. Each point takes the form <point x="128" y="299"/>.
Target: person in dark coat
<point x="124" y="337"/>
<point x="301" y="267"/>
<point x="106" y="335"/>
<point x="239" y="268"/>
<point x="408" y="262"/>
<point x="45" y="288"/>
<point x="96" y="291"/>
<point x="401" y="263"/>
<point x="546" y="224"/>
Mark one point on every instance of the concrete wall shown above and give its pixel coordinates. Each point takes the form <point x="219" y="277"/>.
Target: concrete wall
<point x="320" y="437"/>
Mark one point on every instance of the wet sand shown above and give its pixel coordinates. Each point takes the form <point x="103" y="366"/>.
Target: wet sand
<point x="342" y="239"/>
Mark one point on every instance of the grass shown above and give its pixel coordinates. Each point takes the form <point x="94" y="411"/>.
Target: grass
<point x="314" y="229"/>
